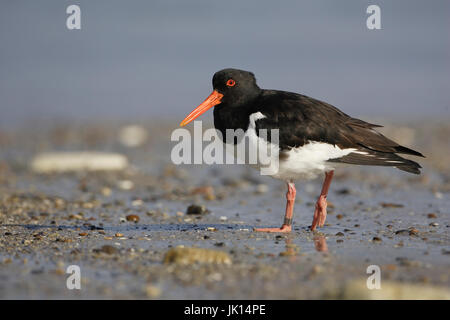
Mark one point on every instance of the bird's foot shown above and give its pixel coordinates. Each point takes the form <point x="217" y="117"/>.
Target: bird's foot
<point x="320" y="214"/>
<point x="284" y="228"/>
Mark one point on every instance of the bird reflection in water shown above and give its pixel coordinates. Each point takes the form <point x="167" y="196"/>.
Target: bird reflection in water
<point x="320" y="244"/>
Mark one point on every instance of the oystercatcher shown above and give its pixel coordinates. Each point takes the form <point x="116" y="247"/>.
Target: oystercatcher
<point x="314" y="137"/>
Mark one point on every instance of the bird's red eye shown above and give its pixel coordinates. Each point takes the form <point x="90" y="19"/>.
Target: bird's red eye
<point x="231" y="83"/>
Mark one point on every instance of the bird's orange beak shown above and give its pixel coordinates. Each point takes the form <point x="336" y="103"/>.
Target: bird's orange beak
<point x="213" y="99"/>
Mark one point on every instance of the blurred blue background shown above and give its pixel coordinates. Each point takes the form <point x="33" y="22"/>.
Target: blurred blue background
<point x="150" y="59"/>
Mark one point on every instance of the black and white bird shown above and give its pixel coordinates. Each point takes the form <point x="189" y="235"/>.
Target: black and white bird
<point x="314" y="137"/>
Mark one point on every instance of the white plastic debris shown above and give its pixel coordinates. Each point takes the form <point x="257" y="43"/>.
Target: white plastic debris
<point x="78" y="161"/>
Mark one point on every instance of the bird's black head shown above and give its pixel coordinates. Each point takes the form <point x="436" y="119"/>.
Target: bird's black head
<point x="232" y="88"/>
<point x="237" y="86"/>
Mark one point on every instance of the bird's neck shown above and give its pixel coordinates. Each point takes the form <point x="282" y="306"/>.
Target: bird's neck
<point x="227" y="117"/>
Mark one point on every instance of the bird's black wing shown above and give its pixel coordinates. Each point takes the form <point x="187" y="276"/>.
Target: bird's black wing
<point x="301" y="119"/>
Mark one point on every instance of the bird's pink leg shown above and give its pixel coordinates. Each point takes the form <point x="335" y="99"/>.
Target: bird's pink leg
<point x="287" y="224"/>
<point x="320" y="214"/>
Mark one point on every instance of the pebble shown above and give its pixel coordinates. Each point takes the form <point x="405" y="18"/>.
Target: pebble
<point x="431" y="216"/>
<point x="317" y="269"/>
<point x="137" y="203"/>
<point x="107" y="249"/>
<point x="106" y="191"/>
<point x="133" y="218"/>
<point x="196" y="209"/>
<point x="391" y="205"/>
<point x="118" y="235"/>
<point x="410" y="232"/>
<point x="125" y="184"/>
<point x="185" y="256"/>
<point x="438" y="195"/>
<point x="261" y="188"/>
<point x="434" y="224"/>
<point x="376" y="239"/>
<point x="206" y="191"/>
<point x="340" y="234"/>
<point x="132" y="136"/>
<point x="152" y="291"/>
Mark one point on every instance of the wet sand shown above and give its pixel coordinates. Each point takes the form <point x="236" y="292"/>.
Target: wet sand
<point x="377" y="216"/>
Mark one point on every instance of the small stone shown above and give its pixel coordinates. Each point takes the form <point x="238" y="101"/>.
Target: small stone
<point x="137" y="203"/>
<point x="434" y="224"/>
<point x="206" y="191"/>
<point x="431" y="216"/>
<point x="376" y="239"/>
<point x="152" y="291"/>
<point x="288" y="253"/>
<point x="261" y="188"/>
<point x="132" y="135"/>
<point x="195" y="209"/>
<point x="83" y="234"/>
<point x="339" y="216"/>
<point x="59" y="272"/>
<point x="186" y="256"/>
<point x="340" y="234"/>
<point x="107" y="249"/>
<point x="343" y="191"/>
<point x="133" y="218"/>
<point x="125" y="184"/>
<point x="106" y="191"/>
<point x="399" y="245"/>
<point x="118" y="235"/>
<point x="76" y="217"/>
<point x="391" y="205"/>
<point x="391" y="267"/>
<point x="410" y="232"/>
<point x="317" y="269"/>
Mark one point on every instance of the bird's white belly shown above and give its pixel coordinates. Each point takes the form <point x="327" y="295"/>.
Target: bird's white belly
<point x="309" y="160"/>
<point x="305" y="162"/>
